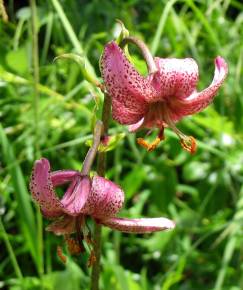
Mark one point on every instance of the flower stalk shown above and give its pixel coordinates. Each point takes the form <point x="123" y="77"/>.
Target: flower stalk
<point x="101" y="167"/>
<point x="145" y="52"/>
<point x="89" y="159"/>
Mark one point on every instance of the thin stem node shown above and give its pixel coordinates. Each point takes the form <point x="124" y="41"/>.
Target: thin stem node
<point x="145" y="52"/>
<point x="89" y="159"/>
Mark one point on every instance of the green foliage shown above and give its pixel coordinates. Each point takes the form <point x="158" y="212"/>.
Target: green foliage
<point x="202" y="193"/>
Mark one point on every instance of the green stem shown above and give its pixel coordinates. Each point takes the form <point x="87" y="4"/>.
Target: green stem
<point x="101" y="167"/>
<point x="35" y="60"/>
<point x="47" y="37"/>
<point x="89" y="159"/>
<point x="160" y="28"/>
<point x="72" y="36"/>
<point x="67" y="26"/>
<point x="10" y="251"/>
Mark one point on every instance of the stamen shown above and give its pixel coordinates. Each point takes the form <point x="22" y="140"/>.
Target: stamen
<point x="189" y="144"/>
<point x="90" y="243"/>
<point x="151" y="146"/>
<point x="60" y="254"/>
<point x="92" y="259"/>
<point x="88" y="239"/>
<point x="74" y="246"/>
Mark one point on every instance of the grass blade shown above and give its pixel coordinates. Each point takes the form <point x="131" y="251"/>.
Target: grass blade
<point x="159" y="31"/>
<point x="25" y="211"/>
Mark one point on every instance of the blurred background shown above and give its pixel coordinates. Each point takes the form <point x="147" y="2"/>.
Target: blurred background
<point x="52" y="115"/>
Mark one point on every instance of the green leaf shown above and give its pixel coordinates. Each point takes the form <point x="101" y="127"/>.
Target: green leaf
<point x="163" y="186"/>
<point x="17" y="60"/>
<point x="121" y="277"/>
<point x="133" y="181"/>
<point x="82" y="62"/>
<point x="176" y="276"/>
<point x="195" y="170"/>
<point x="73" y="274"/>
<point x="25" y="210"/>
<point x="55" y="280"/>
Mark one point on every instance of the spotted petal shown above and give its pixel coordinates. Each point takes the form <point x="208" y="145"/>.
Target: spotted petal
<point x="175" y="79"/>
<point x="105" y="199"/>
<point x="138" y="226"/>
<point x="125" y="85"/>
<point x="42" y="190"/>
<point x="198" y="101"/>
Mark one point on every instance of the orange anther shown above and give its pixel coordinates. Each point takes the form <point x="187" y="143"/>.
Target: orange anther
<point x="154" y="144"/>
<point x="189" y="144"/>
<point x="151" y="146"/>
<point x="60" y="254"/>
<point x="92" y="259"/>
<point x="88" y="240"/>
<point x="143" y="143"/>
<point x="74" y="247"/>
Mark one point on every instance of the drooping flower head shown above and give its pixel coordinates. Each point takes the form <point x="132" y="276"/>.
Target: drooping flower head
<point x="162" y="98"/>
<point x="96" y="197"/>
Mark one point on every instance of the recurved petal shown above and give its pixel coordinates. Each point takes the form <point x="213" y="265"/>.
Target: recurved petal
<point x="105" y="199"/>
<point x="176" y="78"/>
<point x="136" y="126"/>
<point x="138" y="226"/>
<point x="76" y="195"/>
<point x="125" y="85"/>
<point x="42" y="190"/>
<point x="61" y="177"/>
<point x="198" y="101"/>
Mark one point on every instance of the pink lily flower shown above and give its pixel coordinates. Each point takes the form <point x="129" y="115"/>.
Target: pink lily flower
<point x="96" y="197"/>
<point x="162" y="98"/>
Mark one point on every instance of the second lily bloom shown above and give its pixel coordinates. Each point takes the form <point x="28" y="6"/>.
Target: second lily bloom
<point x="96" y="197"/>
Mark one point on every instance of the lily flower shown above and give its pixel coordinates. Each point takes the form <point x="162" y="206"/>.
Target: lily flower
<point x="96" y="197"/>
<point x="160" y="99"/>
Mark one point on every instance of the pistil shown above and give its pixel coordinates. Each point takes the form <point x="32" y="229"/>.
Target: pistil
<point x="188" y="143"/>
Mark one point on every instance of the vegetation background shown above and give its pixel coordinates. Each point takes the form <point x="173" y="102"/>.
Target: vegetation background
<point x="203" y="193"/>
